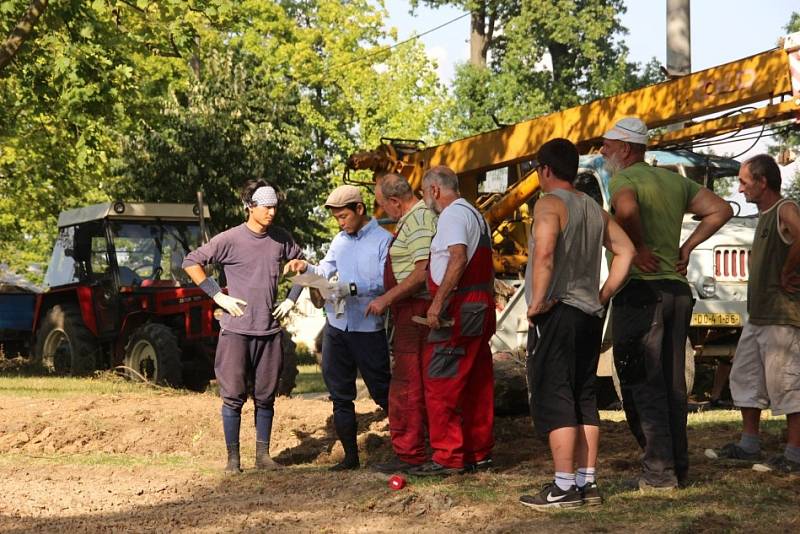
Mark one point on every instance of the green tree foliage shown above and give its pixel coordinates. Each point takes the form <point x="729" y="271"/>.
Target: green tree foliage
<point x="789" y="140"/>
<point x="552" y="54"/>
<point x="63" y="102"/>
<point x="154" y="100"/>
<point x="487" y="20"/>
<point x="220" y="132"/>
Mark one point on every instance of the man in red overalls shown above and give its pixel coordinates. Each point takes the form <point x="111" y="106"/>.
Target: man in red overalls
<point x="457" y="362"/>
<point x="405" y="272"/>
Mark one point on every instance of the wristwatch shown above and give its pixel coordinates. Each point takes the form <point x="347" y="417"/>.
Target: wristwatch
<point x="353" y="289"/>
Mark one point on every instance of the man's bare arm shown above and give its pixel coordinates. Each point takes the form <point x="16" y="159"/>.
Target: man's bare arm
<point x="714" y="212"/>
<point x="617" y="241"/>
<point x="626" y="213"/>
<point x="546" y="227"/>
<point x="790" y="222"/>
<point x="410" y="285"/>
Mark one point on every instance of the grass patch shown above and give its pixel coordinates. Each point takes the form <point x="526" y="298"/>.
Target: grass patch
<point x="100" y="459"/>
<point x="476" y="491"/>
<point x="305" y="356"/>
<point x="309" y="379"/>
<point x="105" y="383"/>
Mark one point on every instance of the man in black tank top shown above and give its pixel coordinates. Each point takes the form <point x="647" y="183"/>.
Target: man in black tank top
<point x="566" y="306"/>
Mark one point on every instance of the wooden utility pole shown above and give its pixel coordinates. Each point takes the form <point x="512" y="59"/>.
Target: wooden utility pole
<point x="679" y="38"/>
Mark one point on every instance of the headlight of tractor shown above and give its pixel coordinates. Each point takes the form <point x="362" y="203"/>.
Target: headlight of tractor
<point x="706" y="287"/>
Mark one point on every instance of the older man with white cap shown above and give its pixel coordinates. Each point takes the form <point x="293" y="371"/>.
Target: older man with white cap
<point x="651" y="314"/>
<point x="249" y="345"/>
<point x="353" y="340"/>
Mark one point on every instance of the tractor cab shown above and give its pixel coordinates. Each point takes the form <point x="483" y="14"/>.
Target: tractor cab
<point x="124" y="245"/>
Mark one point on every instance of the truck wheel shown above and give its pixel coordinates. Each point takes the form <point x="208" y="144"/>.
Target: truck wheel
<point x="63" y="343"/>
<point x="152" y="353"/>
<point x="688" y="372"/>
<point x="289" y="373"/>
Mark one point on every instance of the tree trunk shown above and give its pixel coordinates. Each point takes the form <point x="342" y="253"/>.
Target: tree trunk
<point x="477" y="37"/>
<point x="21" y="31"/>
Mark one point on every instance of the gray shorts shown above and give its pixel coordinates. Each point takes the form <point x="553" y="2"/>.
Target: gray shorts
<point x="766" y="369"/>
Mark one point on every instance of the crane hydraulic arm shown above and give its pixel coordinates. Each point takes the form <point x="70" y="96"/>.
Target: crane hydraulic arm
<point x="706" y="103"/>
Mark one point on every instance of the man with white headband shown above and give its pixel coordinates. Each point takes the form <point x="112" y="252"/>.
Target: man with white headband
<point x="250" y="336"/>
<point x="651" y="314"/>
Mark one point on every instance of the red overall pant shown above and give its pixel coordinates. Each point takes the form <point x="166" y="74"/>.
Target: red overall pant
<point x="458" y="373"/>
<point x="407" y="417"/>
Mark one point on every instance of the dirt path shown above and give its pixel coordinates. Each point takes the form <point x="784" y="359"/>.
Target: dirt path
<point x="149" y="462"/>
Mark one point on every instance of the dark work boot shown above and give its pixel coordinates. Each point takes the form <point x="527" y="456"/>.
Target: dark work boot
<point x="347" y="435"/>
<point x="349" y="463"/>
<point x="233" y="466"/>
<point x="263" y="459"/>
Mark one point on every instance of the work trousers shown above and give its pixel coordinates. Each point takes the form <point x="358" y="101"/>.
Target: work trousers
<point x="650" y="322"/>
<point x="459" y="396"/>
<point x="407" y="415"/>
<point x="239" y="356"/>
<point x="344" y="354"/>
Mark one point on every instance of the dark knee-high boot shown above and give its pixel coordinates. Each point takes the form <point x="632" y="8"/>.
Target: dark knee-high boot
<point x="347" y="432"/>
<point x="264" y="418"/>
<point x="231" y="422"/>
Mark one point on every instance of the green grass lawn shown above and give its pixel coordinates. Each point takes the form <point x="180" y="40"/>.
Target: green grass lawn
<point x="26" y="380"/>
<point x="61" y="386"/>
<point x="309" y="380"/>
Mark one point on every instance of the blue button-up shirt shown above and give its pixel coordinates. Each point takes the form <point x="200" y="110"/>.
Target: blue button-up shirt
<point x="357" y="258"/>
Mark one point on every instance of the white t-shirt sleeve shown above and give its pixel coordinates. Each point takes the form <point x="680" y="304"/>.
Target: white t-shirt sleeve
<point x="453" y="227"/>
<point x="457" y="225"/>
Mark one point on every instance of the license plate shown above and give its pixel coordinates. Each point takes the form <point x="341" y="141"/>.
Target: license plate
<point x="716" y="319"/>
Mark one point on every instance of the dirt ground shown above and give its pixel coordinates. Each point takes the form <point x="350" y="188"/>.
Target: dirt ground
<point x="152" y="462"/>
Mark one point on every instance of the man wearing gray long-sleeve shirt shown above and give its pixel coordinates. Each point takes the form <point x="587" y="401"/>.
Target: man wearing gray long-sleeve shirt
<point x="250" y="340"/>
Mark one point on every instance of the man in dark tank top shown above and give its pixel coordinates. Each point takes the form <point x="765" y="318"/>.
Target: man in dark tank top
<point x="766" y="366"/>
<point x="565" y="309"/>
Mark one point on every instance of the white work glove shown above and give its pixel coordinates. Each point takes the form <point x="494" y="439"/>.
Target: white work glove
<point x="283" y="309"/>
<point x="339" y="290"/>
<point x="231" y="305"/>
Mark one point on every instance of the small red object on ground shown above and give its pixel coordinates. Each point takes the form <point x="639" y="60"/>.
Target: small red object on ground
<point x="397" y="482"/>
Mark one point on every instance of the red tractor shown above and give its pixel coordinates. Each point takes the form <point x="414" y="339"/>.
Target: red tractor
<point x="118" y="297"/>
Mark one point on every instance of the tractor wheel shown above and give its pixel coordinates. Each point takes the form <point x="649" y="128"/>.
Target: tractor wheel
<point x="63" y="343"/>
<point x="152" y="354"/>
<point x="688" y="372"/>
<point x="289" y="373"/>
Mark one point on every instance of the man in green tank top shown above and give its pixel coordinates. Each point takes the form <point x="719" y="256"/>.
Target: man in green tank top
<point x="766" y="367"/>
<point x="651" y="314"/>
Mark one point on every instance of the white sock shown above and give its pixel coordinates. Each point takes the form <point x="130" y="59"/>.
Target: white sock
<point x="564" y="481"/>
<point x="585" y="475"/>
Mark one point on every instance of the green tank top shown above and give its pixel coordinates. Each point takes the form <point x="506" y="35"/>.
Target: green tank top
<point x="767" y="303"/>
<point x="663" y="197"/>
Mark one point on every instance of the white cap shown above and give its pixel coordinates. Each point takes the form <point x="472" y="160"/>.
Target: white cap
<point x="630" y="130"/>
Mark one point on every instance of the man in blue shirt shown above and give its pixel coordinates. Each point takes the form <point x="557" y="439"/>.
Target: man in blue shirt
<point x="353" y="340"/>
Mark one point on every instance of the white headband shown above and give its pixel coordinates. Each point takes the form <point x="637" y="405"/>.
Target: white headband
<point x="264" y="196"/>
